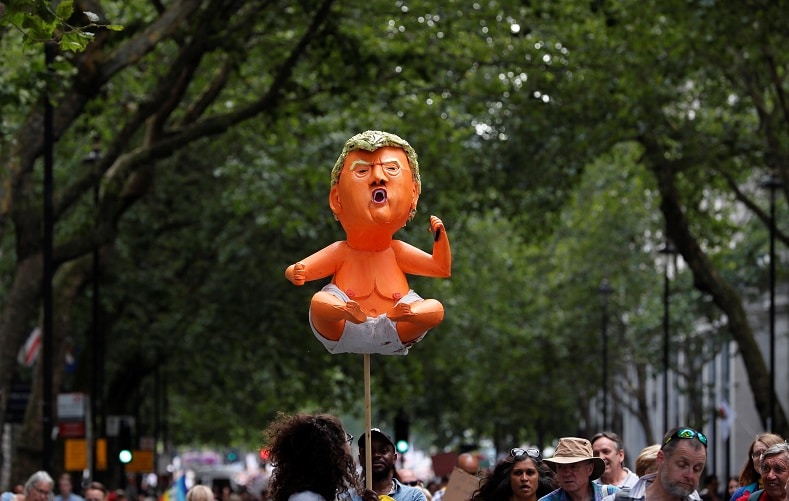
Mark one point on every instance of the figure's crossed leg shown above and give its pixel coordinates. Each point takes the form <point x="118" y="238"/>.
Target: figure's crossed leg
<point x="414" y="319"/>
<point x="329" y="313"/>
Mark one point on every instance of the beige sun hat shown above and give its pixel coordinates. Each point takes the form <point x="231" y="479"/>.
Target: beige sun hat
<point x="574" y="450"/>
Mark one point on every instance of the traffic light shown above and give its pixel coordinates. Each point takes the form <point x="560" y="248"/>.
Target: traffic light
<point x="402" y="444"/>
<point x="125" y="442"/>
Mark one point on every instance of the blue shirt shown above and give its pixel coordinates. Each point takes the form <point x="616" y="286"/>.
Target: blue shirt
<point x="70" y="497"/>
<point x="401" y="493"/>
<point x="747" y="489"/>
<point x="600" y="491"/>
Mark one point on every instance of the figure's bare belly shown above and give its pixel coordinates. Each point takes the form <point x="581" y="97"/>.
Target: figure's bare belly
<point x="372" y="279"/>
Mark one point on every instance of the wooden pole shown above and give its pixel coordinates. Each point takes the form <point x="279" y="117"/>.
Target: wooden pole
<point x="368" y="423"/>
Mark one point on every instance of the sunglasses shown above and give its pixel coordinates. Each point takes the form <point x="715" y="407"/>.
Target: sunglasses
<point x="412" y="483"/>
<point x="348" y="437"/>
<point x="517" y="453"/>
<point x="688" y="433"/>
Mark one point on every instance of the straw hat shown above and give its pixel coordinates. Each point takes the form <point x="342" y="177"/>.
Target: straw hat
<point x="574" y="450"/>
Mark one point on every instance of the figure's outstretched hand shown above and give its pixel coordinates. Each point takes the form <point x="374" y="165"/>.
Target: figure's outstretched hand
<point x="436" y="227"/>
<point x="297" y="273"/>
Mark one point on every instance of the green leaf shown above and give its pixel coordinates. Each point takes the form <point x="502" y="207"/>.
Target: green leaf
<point x="65" y="9"/>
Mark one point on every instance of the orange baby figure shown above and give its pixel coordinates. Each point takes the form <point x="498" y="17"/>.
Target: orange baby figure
<point x="368" y="307"/>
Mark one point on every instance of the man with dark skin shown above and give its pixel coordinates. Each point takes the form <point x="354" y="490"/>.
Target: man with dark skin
<point x="384" y="458"/>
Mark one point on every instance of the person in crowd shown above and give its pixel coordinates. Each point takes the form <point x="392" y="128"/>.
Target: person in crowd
<point x="407" y="476"/>
<point x="467" y="462"/>
<point x="384" y="458"/>
<point x="313" y="457"/>
<point x="680" y="462"/>
<point x="774" y="474"/>
<point x="66" y="489"/>
<point x="576" y="467"/>
<point x="645" y="462"/>
<point x="732" y="485"/>
<point x="710" y="491"/>
<point x="608" y="446"/>
<point x="200" y="493"/>
<point x="521" y="476"/>
<point x="95" y="491"/>
<point x="38" y="487"/>
<point x="750" y="476"/>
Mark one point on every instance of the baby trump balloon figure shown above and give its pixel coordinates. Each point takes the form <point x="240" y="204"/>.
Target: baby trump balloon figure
<point x="368" y="307"/>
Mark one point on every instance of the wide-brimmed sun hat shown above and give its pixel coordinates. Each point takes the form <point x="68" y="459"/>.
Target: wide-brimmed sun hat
<point x="574" y="450"/>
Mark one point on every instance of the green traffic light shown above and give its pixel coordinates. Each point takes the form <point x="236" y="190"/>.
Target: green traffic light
<point x="402" y="446"/>
<point x="125" y="456"/>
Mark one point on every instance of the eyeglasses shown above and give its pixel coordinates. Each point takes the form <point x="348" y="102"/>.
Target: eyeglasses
<point x="348" y="438"/>
<point x="43" y="492"/>
<point x="517" y="452"/>
<point x="756" y="454"/>
<point x="688" y="433"/>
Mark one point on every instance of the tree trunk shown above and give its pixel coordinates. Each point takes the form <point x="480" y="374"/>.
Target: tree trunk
<point x="708" y="280"/>
<point x="68" y="283"/>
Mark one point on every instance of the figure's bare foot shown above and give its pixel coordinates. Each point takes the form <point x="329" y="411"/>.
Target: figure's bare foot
<point x="354" y="312"/>
<point x="400" y="312"/>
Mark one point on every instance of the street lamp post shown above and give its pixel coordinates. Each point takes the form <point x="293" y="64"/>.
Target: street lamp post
<point x="668" y="250"/>
<point x="47" y="336"/>
<point x="772" y="183"/>
<point x="605" y="290"/>
<point x="97" y="345"/>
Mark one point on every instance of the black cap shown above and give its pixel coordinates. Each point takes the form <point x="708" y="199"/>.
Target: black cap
<point x="379" y="433"/>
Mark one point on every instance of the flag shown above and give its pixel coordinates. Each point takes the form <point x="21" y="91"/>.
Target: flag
<point x="727" y="416"/>
<point x="176" y="492"/>
<point x="29" y="352"/>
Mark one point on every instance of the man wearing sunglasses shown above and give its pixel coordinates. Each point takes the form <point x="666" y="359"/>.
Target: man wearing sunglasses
<point x="680" y="462"/>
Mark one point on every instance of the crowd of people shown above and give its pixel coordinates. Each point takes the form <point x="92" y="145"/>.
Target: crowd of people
<point x="313" y="461"/>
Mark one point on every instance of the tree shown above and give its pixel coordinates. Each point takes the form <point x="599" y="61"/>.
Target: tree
<point x="203" y="124"/>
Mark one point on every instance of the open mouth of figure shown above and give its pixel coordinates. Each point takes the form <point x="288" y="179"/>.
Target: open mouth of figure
<point x="379" y="195"/>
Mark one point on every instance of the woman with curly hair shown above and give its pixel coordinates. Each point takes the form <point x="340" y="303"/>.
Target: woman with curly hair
<point x="521" y="476"/>
<point x="311" y="456"/>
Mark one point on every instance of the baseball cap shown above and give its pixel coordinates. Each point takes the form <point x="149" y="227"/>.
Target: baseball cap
<point x="376" y="432"/>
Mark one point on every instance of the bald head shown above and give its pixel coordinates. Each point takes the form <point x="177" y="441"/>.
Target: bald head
<point x="407" y="476"/>
<point x="468" y="463"/>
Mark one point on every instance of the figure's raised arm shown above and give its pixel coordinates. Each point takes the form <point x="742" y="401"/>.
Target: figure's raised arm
<point x="414" y="261"/>
<point x="319" y="265"/>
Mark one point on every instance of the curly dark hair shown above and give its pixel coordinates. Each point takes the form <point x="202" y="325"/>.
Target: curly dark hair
<point x="496" y="484"/>
<point x="309" y="453"/>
